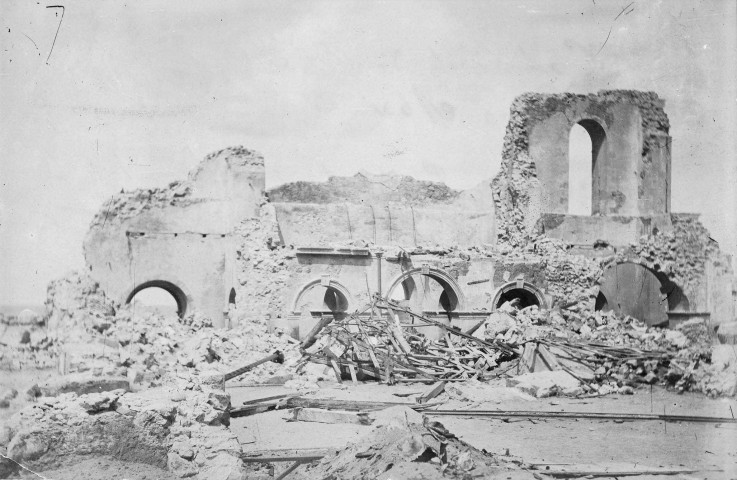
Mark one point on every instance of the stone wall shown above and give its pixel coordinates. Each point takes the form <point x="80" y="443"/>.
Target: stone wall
<point x="180" y="238"/>
<point x="631" y="168"/>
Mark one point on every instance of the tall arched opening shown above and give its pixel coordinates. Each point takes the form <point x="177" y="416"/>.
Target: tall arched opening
<point x="586" y="162"/>
<point x="158" y="293"/>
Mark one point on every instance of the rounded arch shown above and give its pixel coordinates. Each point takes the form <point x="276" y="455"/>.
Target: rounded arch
<point x="634" y="288"/>
<point x="528" y="294"/>
<point x="182" y="299"/>
<point x="452" y="298"/>
<point x="337" y="297"/>
<point x="593" y="174"/>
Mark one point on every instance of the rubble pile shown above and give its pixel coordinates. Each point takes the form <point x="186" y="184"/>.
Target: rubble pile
<point x="24" y="343"/>
<point x="365" y="188"/>
<point x="88" y="334"/>
<point x="572" y="280"/>
<point x="379" y="348"/>
<point x="403" y="444"/>
<point x="129" y="204"/>
<point x="151" y="345"/>
<point x="262" y="272"/>
<point x="681" y="254"/>
<point x="180" y="427"/>
<point x="587" y="354"/>
<point x="620" y="352"/>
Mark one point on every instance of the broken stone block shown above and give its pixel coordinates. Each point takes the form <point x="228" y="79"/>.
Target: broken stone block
<point x="183" y="448"/>
<point x="219" y="400"/>
<point x="98" y="402"/>
<point x="727" y="333"/>
<point x="499" y="323"/>
<point x="79" y="384"/>
<point x="650" y="378"/>
<point x="676" y="338"/>
<point x="180" y="466"/>
<point x="547" y="383"/>
<point x="723" y="356"/>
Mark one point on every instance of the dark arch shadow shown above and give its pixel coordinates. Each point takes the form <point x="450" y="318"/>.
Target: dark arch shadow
<point x="169" y="287"/>
<point x="448" y="300"/>
<point x="527" y="293"/>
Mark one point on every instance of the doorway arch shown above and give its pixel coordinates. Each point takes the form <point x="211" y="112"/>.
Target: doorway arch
<point x="179" y="296"/>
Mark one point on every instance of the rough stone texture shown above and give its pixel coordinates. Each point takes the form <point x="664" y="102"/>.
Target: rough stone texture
<point x="527" y="187"/>
<point x="174" y="427"/>
<point x="695" y="274"/>
<point x="365" y="188"/>
<point x="178" y="238"/>
<point x="546" y="384"/>
<point x="401" y="444"/>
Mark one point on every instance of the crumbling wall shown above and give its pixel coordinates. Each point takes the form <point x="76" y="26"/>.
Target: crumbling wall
<point x="178" y="238"/>
<point x="533" y="178"/>
<point x="384" y="211"/>
<point x="689" y="258"/>
<point x="364" y="188"/>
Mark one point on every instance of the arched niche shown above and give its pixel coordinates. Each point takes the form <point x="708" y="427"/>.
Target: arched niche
<point x="321" y="297"/>
<point x="527" y="293"/>
<point x="175" y="291"/>
<point x="425" y="289"/>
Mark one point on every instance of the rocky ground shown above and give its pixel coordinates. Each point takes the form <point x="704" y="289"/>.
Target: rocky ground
<point x="92" y="390"/>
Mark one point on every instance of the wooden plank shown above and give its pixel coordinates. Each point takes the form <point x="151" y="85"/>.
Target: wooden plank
<point x="548" y="358"/>
<point x="320" y="415"/>
<point x="620" y="473"/>
<point x="436" y="390"/>
<point x="312" y="334"/>
<point x="349" y="405"/>
<point x="528" y="357"/>
<point x="579" y="415"/>
<point x="391" y="305"/>
<point x="352" y="369"/>
<point x="336" y="369"/>
<point x="267" y="399"/>
<point x="473" y="329"/>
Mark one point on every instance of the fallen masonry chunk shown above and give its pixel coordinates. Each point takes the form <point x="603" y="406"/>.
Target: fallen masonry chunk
<point x="277" y="357"/>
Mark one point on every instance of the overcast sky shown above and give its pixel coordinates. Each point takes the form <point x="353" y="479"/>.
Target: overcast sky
<point x="134" y="94"/>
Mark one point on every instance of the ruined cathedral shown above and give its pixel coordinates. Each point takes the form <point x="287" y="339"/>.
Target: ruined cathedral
<point x="221" y="244"/>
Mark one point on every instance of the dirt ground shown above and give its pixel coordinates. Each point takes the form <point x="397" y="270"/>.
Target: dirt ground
<point x="97" y="468"/>
<point x="560" y="443"/>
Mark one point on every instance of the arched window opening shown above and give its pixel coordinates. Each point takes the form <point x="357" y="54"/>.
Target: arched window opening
<point x="524" y="294"/>
<point x="601" y="303"/>
<point x="231" y="297"/>
<point x="323" y="299"/>
<point x="158" y="299"/>
<point x="334" y="301"/>
<point x="525" y="297"/>
<point x="586" y="147"/>
<point x="426" y="293"/>
<point x="580" y="170"/>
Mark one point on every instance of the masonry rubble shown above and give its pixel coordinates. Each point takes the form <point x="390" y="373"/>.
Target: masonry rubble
<point x="156" y="379"/>
<point x="180" y="426"/>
